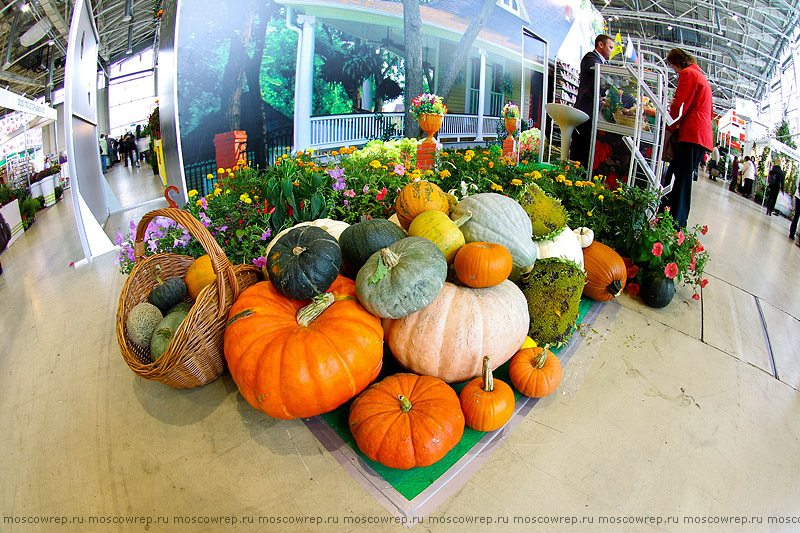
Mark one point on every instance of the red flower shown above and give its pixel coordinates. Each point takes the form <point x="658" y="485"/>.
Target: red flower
<point x="381" y="194"/>
<point x="628" y="262"/>
<point x="632" y="271"/>
<point x="681" y="237"/>
<point x="703" y="283"/>
<point x="671" y="270"/>
<point x="658" y="249"/>
<point x="704" y="230"/>
<point x="699" y="247"/>
<point x="695" y="296"/>
<point x="632" y="288"/>
<point x="289" y="210"/>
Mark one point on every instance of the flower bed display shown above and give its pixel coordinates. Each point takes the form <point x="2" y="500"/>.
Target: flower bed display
<point x="521" y="273"/>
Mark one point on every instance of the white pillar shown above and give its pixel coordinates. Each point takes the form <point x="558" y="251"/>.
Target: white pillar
<point x="305" y="80"/>
<point x="366" y="95"/>
<point x="481" y="94"/>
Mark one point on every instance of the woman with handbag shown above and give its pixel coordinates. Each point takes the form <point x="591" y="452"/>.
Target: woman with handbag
<point x="734" y="174"/>
<point x="748" y="176"/>
<point x="692" y="105"/>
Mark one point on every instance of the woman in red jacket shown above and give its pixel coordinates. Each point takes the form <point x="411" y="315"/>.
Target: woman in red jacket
<point x="695" y="137"/>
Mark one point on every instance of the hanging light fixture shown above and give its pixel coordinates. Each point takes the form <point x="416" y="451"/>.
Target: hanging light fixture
<point x="128" y="11"/>
<point x="35" y="33"/>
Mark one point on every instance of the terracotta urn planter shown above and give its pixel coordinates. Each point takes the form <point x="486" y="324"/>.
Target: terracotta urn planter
<point x="430" y="123"/>
<point x="511" y="125"/>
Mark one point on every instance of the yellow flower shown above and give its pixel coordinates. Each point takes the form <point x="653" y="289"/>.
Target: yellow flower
<point x="536" y="174"/>
<point x="227" y="191"/>
<point x="485" y="152"/>
<point x="299" y="153"/>
<point x="309" y="151"/>
<point x="516" y="181"/>
<point x="568" y="183"/>
<point x="335" y="152"/>
<point x="560" y="177"/>
<point x="375" y="163"/>
<point x="220" y="170"/>
<point x="467" y="158"/>
<point x="590" y="213"/>
<point x="577" y="164"/>
<point x="384" y="167"/>
<point x="228" y="170"/>
<point x="192" y="193"/>
<point x="209" y="176"/>
<point x="491" y="164"/>
<point x="429" y="172"/>
<point x="444" y="174"/>
<point x="284" y="156"/>
<point x="600" y="197"/>
<point x="524" y="161"/>
<point x="482" y="170"/>
<point x="496" y="187"/>
<point x="445" y="154"/>
<point x="590" y="183"/>
<point x="248" y="201"/>
<point x="243" y="196"/>
<point x="469" y="153"/>
<point x="217" y="192"/>
<point x="199" y="203"/>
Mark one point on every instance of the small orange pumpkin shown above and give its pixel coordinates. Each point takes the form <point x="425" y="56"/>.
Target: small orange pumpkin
<point x="487" y="403"/>
<point x="199" y="276"/>
<point x="535" y="372"/>
<point x="483" y="264"/>
<point x="407" y="420"/>
<point x="605" y="272"/>
<point x="419" y="196"/>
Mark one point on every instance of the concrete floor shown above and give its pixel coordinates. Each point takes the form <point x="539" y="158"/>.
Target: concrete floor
<point x="674" y="414"/>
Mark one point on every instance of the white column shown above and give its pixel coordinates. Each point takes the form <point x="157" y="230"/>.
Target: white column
<point x="481" y="94"/>
<point x="305" y="79"/>
<point x="366" y="95"/>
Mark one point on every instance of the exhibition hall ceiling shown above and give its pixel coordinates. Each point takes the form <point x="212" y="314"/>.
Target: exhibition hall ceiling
<point x="738" y="43"/>
<point x="30" y="36"/>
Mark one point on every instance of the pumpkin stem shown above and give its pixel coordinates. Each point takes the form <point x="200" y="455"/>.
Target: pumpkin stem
<point x="405" y="404"/>
<point x="390" y="259"/>
<point x="156" y="272"/>
<point x="488" y="378"/>
<point x="540" y="359"/>
<point x="306" y="315"/>
<point x="297" y="250"/>
<point x="463" y="218"/>
<point x="615" y="287"/>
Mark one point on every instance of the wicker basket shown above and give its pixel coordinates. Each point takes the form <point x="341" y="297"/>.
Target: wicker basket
<point x="194" y="356"/>
<point x="629" y="121"/>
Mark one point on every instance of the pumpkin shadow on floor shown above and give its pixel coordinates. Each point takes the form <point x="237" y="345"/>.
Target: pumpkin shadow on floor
<point x="182" y="407"/>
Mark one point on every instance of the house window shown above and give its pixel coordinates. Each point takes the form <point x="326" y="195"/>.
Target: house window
<point x="496" y="95"/>
<point x="510" y="5"/>
<point x="474" y="92"/>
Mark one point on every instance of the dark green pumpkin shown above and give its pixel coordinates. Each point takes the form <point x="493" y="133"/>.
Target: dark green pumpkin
<point x="359" y="241"/>
<point x="164" y="332"/>
<point x="304" y="263"/>
<point x="657" y="290"/>
<point x="167" y="294"/>
<point x="183" y="306"/>
<point x="402" y="278"/>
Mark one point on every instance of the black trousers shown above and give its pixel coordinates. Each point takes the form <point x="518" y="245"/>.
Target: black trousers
<point x="793" y="225"/>
<point x="579" y="145"/>
<point x="772" y="198"/>
<point x="687" y="158"/>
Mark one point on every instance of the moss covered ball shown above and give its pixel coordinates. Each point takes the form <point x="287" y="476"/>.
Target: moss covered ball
<point x="547" y="214"/>
<point x="553" y="290"/>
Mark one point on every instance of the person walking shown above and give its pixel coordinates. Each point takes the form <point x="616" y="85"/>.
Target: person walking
<point x="692" y="107"/>
<point x="5" y="236"/>
<point x="734" y="174"/>
<point x="104" y="152"/>
<point x="793" y="225"/>
<point x="713" y="163"/>
<point x="775" y="184"/>
<point x="748" y="176"/>
<point x="582" y="135"/>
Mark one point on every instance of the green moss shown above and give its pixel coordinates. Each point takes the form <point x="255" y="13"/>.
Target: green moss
<point x="547" y="214"/>
<point x="553" y="290"/>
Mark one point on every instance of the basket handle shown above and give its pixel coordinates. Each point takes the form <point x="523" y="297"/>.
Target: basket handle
<point x="219" y="261"/>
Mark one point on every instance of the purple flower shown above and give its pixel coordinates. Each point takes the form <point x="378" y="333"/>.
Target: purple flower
<point x="203" y="202"/>
<point x="265" y="234"/>
<point x="339" y="184"/>
<point x="260" y="262"/>
<point x="365" y="190"/>
<point x="133" y="226"/>
<point x="222" y="228"/>
<point x="336" y="173"/>
<point x="152" y="246"/>
<point x="120" y="238"/>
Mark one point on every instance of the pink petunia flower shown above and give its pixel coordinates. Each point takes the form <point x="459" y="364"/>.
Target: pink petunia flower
<point x="658" y="249"/>
<point x="349" y="192"/>
<point x="671" y="270"/>
<point x="399" y="169"/>
<point x="681" y="237"/>
<point x="381" y="194"/>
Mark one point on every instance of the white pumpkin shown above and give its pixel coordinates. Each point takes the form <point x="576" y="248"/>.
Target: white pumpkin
<point x="333" y="227"/>
<point x="585" y="236"/>
<point x="564" y="245"/>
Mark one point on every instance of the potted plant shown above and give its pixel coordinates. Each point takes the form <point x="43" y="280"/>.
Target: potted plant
<point x="663" y="253"/>
<point x="429" y="110"/>
<point x="511" y="115"/>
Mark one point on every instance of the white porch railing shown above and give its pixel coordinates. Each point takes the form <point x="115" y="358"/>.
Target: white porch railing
<point x="334" y="131"/>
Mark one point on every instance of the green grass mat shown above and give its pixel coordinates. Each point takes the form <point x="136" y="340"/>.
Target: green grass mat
<point x="412" y="482"/>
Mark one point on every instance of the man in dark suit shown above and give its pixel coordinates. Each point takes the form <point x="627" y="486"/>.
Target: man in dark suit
<point x="581" y="137"/>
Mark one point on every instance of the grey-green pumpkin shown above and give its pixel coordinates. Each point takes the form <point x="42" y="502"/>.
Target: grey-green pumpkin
<point x="402" y="278"/>
<point x="164" y="332"/>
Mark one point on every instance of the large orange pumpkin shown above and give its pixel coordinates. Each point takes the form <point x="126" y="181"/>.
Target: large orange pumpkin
<point x="419" y="196"/>
<point x="289" y="364"/>
<point x="605" y="272"/>
<point x="407" y="420"/>
<point x="448" y="338"/>
<point x="535" y="372"/>
<point x="199" y="276"/>
<point x="487" y="403"/>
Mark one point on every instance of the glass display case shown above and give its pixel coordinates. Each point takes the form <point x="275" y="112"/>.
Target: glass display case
<point x="629" y="123"/>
